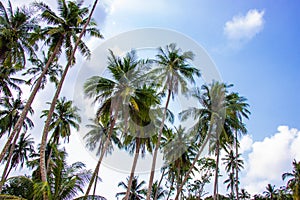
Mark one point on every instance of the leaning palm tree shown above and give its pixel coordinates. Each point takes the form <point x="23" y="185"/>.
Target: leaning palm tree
<point x="173" y="72"/>
<point x="115" y="94"/>
<point x="16" y="28"/>
<point x="75" y="22"/>
<point x="294" y="181"/>
<point x="136" y="191"/>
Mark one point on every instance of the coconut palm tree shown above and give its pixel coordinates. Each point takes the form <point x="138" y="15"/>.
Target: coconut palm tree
<point x="16" y="28"/>
<point x="173" y="72"/>
<point x="18" y="186"/>
<point x="75" y="22"/>
<point x="270" y="192"/>
<point x="294" y="181"/>
<point x="136" y="191"/>
<point x="140" y="134"/>
<point x="238" y="109"/>
<point x="209" y="125"/>
<point x="232" y="163"/>
<point x="115" y="94"/>
<point x="158" y="192"/>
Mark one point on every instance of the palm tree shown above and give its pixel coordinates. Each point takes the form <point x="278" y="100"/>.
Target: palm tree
<point x="138" y="137"/>
<point x="209" y="124"/>
<point x="238" y="109"/>
<point x="64" y="117"/>
<point x="244" y="194"/>
<point x="19" y="155"/>
<point x="136" y="191"/>
<point x="10" y="113"/>
<point x="232" y="163"/>
<point x="115" y="94"/>
<point x="54" y="71"/>
<point x="16" y="28"/>
<point x="294" y="181"/>
<point x="72" y="17"/>
<point x="230" y="184"/>
<point x="271" y="192"/>
<point x="172" y="73"/>
<point x="158" y="192"/>
<point x="96" y="138"/>
<point x="19" y="186"/>
<point x="8" y="82"/>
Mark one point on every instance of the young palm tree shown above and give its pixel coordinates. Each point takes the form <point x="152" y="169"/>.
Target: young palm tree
<point x="75" y="20"/>
<point x="114" y="94"/>
<point x="16" y="28"/>
<point x="158" y="192"/>
<point x="294" y="181"/>
<point x="136" y="191"/>
<point x="173" y="72"/>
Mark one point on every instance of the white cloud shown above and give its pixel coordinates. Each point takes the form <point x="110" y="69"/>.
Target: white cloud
<point x="244" y="28"/>
<point x="270" y="158"/>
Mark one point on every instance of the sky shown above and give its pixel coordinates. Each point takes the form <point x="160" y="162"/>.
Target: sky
<point x="254" y="44"/>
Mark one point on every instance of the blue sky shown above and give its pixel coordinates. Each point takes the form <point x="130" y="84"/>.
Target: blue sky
<point x="255" y="45"/>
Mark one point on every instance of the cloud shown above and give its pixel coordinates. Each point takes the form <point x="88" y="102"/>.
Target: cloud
<point x="270" y="158"/>
<point x="244" y="28"/>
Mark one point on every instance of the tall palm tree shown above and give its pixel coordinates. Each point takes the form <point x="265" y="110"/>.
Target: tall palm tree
<point x="294" y="181"/>
<point x="75" y="20"/>
<point x="115" y="94"/>
<point x="209" y="119"/>
<point x="136" y="191"/>
<point x="238" y="109"/>
<point x="232" y="163"/>
<point x="138" y="138"/>
<point x="16" y="28"/>
<point x="270" y="192"/>
<point x="173" y="72"/>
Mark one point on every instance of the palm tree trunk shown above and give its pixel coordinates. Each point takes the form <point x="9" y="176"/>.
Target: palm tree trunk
<point x="217" y="170"/>
<point x="18" y="125"/>
<point x="136" y="156"/>
<point x="53" y="103"/>
<point x="8" y="167"/>
<point x="236" y="167"/>
<point x="194" y="162"/>
<point x="157" y="146"/>
<point x="159" y="183"/>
